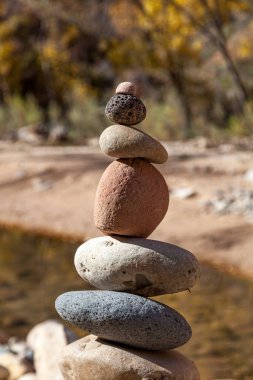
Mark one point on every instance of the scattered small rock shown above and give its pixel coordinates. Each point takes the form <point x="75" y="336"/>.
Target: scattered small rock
<point x="58" y="134"/>
<point x="183" y="193"/>
<point x="4" y="348"/>
<point x="20" y="348"/>
<point x="231" y="201"/>
<point x="33" y="134"/>
<point x="47" y="340"/>
<point x="248" y="176"/>
<point x="40" y="184"/>
<point x="20" y="174"/>
<point x="14" y="365"/>
<point x="227" y="148"/>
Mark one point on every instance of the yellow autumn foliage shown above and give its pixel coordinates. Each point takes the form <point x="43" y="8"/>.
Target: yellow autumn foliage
<point x="61" y="50"/>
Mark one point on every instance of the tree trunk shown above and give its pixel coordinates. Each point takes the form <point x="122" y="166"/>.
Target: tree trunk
<point x="243" y="95"/>
<point x="178" y="81"/>
<point x="218" y="39"/>
<point x="221" y="43"/>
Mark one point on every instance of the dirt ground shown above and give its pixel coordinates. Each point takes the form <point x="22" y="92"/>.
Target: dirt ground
<point x="52" y="189"/>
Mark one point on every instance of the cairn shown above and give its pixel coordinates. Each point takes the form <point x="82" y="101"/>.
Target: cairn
<point x="132" y="336"/>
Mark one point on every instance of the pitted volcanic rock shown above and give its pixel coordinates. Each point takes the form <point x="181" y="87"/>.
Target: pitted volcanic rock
<point x="125" y="109"/>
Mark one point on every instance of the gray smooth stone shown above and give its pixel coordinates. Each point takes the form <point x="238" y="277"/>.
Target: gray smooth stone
<point x="125" y="318"/>
<point x="141" y="266"/>
<point x="128" y="142"/>
<point x="125" y="109"/>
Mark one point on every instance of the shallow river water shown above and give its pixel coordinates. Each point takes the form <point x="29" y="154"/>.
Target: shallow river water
<point x="34" y="270"/>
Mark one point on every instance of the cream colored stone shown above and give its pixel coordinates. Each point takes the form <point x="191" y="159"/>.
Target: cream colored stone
<point x="14" y="365"/>
<point x="29" y="376"/>
<point x="47" y="340"/>
<point x="105" y="361"/>
<point x="127" y="142"/>
<point x="141" y="266"/>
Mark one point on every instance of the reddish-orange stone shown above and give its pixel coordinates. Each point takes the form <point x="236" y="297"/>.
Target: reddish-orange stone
<point x="132" y="198"/>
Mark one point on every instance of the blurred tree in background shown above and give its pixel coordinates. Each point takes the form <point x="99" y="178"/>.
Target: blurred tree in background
<point x="60" y="59"/>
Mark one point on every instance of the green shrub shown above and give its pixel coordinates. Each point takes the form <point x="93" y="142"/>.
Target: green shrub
<point x="86" y="119"/>
<point x="164" y="119"/>
<point x="18" y="112"/>
<point x="242" y="125"/>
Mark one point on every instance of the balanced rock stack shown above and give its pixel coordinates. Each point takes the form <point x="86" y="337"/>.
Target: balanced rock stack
<point x="129" y="330"/>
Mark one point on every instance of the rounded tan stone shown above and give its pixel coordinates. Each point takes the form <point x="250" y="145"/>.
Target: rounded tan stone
<point x="126" y="88"/>
<point x="131" y="199"/>
<point x="96" y="359"/>
<point x="127" y="142"/>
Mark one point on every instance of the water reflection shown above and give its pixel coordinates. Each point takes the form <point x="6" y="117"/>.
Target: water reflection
<point x="35" y="270"/>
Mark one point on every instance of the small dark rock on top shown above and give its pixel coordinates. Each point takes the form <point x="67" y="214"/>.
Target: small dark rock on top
<point x="125" y="109"/>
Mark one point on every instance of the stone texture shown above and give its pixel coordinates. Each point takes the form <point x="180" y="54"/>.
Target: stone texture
<point x="93" y="358"/>
<point x="126" y="88"/>
<point x="19" y="347"/>
<point x="14" y="365"/>
<point x="125" y="318"/>
<point x="29" y="376"/>
<point x="125" y="109"/>
<point x="47" y="340"/>
<point x="132" y="198"/>
<point x="3" y="337"/>
<point x="141" y="266"/>
<point x="4" y="373"/>
<point x="127" y="142"/>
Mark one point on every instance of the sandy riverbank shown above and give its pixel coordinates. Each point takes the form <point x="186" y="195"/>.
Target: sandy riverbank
<point x="52" y="189"/>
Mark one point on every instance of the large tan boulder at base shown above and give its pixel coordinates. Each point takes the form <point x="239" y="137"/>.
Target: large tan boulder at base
<point x="132" y="198"/>
<point x="47" y="340"/>
<point x="91" y="358"/>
